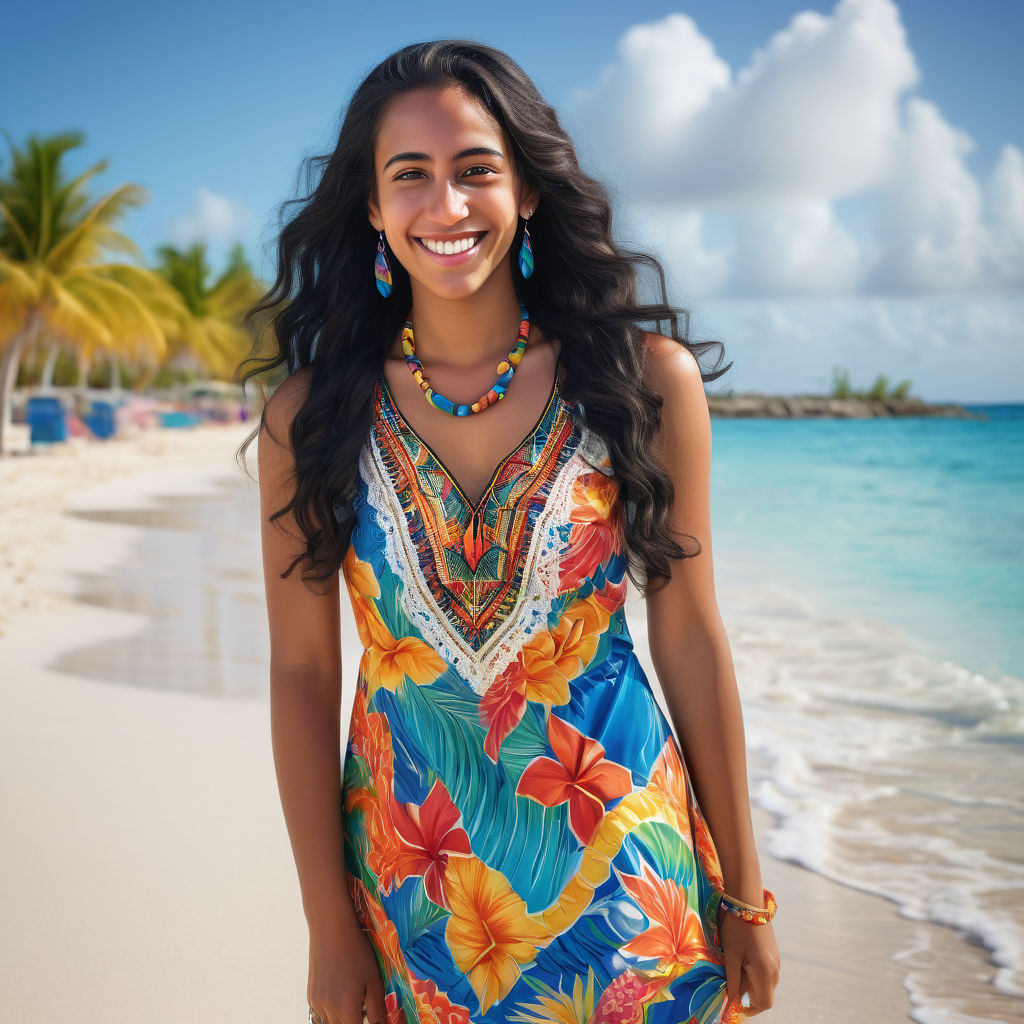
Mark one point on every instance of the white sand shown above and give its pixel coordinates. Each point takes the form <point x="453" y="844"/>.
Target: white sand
<point x="145" y="871"/>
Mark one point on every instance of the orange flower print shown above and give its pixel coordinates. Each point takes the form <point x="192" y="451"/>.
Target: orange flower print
<point x="359" y="575"/>
<point x="445" y="1011"/>
<point x="427" y="836"/>
<point x="371" y="740"/>
<point x="384" y="849"/>
<point x="596" y="532"/>
<point x="542" y="671"/>
<point x="490" y="934"/>
<point x="668" y="777"/>
<point x="675" y="935"/>
<point x="581" y="776"/>
<point x="389" y="661"/>
<point x="361" y="609"/>
<point x="383" y="934"/>
<point x="554" y="656"/>
<point x="705" y="848"/>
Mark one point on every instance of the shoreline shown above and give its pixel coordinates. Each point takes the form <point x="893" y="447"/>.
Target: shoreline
<point x="136" y="805"/>
<point x="752" y="404"/>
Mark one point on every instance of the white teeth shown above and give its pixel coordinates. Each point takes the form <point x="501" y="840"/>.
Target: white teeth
<point x="450" y="248"/>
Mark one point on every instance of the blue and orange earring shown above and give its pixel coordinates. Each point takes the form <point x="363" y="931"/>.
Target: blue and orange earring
<point x="381" y="269"/>
<point x="526" y="254"/>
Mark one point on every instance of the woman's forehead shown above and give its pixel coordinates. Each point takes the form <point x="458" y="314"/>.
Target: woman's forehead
<point x="433" y="119"/>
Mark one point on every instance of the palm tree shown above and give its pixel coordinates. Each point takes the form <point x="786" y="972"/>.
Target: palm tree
<point x="54" y="282"/>
<point x="213" y="334"/>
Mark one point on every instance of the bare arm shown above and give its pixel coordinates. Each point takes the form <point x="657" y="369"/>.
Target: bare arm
<point x="689" y="647"/>
<point x="305" y="683"/>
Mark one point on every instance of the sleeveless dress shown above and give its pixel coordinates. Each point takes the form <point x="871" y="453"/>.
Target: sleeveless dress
<point x="522" y="840"/>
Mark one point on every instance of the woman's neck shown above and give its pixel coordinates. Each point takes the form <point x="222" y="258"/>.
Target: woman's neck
<point x="463" y="334"/>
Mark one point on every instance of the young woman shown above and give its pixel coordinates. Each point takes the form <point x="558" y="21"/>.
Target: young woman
<point x="476" y="432"/>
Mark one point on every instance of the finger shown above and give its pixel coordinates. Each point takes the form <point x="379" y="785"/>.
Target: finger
<point x="759" y="987"/>
<point x="351" y="1011"/>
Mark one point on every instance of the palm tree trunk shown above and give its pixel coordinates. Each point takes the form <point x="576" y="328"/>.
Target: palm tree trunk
<point x="51" y="362"/>
<point x="9" y="373"/>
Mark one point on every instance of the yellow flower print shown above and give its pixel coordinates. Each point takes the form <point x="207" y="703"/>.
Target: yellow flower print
<point x="389" y="661"/>
<point x="359" y="574"/>
<point x="490" y="934"/>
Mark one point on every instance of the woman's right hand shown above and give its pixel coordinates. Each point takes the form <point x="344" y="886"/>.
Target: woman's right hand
<point x="344" y="976"/>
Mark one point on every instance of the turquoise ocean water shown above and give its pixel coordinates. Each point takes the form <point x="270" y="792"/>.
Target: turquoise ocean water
<point x="871" y="576"/>
<point x="917" y="520"/>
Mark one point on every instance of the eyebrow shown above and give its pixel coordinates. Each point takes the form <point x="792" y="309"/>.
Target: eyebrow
<point x="475" y="151"/>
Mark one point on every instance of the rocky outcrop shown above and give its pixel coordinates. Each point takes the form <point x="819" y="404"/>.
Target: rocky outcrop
<point x="752" y="404"/>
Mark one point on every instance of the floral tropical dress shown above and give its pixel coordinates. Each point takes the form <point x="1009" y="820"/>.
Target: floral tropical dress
<point x="522" y="839"/>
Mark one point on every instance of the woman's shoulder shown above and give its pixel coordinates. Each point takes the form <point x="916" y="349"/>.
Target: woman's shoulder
<point x="286" y="400"/>
<point x="670" y="367"/>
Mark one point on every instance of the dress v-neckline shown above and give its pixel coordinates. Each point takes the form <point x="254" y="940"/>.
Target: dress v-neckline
<point x="384" y="389"/>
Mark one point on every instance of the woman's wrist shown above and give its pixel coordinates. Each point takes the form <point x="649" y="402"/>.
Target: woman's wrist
<point x="331" y="912"/>
<point x="746" y="888"/>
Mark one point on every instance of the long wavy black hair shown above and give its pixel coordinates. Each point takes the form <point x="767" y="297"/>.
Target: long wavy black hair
<point x="326" y="313"/>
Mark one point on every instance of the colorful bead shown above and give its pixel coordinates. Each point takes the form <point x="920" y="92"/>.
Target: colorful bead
<point x="505" y="369"/>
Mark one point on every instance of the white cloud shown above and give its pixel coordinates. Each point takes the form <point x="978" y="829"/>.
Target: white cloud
<point x="818" y="114"/>
<point x="675" y="235"/>
<point x="931" y="206"/>
<point x="1004" y="208"/>
<point x="215" y="219"/>
<point x="794" y="246"/>
<point x="815" y="113"/>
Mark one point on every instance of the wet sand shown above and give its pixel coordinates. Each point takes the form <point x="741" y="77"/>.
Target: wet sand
<point x="146" y="866"/>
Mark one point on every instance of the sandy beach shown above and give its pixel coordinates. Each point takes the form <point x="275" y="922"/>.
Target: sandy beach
<point x="146" y="868"/>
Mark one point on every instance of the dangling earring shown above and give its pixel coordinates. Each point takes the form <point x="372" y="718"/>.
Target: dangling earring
<point x="526" y="253"/>
<point x="381" y="270"/>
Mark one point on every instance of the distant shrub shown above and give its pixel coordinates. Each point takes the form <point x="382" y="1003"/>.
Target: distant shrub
<point x="840" y="382"/>
<point x="877" y="392"/>
<point x="879" y="388"/>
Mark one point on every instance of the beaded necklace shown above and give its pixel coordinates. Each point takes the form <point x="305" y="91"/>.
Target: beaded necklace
<point x="506" y="368"/>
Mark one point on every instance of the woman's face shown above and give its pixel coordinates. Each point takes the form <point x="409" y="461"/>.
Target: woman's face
<point x="444" y="173"/>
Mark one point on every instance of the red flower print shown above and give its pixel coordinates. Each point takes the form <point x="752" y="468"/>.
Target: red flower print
<point x="502" y="708"/>
<point x="581" y="776"/>
<point x="427" y="834"/>
<point x="596" y="531"/>
<point x="612" y="596"/>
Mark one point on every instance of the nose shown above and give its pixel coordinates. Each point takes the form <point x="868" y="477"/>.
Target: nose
<point x="449" y="203"/>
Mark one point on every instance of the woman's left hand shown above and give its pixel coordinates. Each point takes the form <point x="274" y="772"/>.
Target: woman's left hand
<point x="752" y="962"/>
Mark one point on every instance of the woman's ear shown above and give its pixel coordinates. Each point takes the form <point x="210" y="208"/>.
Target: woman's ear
<point x="528" y="205"/>
<point x="374" y="211"/>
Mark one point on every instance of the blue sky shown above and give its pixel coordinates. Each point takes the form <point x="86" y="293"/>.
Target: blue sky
<point x="827" y="183"/>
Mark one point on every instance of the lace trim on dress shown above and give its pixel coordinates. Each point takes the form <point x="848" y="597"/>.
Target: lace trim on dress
<point x="479" y="668"/>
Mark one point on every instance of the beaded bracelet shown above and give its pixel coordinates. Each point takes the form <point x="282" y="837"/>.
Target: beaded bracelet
<point x="755" y="915"/>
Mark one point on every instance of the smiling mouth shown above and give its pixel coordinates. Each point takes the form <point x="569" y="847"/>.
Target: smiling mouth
<point x="451" y="248"/>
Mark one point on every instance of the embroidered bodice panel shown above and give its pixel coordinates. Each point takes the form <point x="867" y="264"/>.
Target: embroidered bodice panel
<point x="542" y="548"/>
